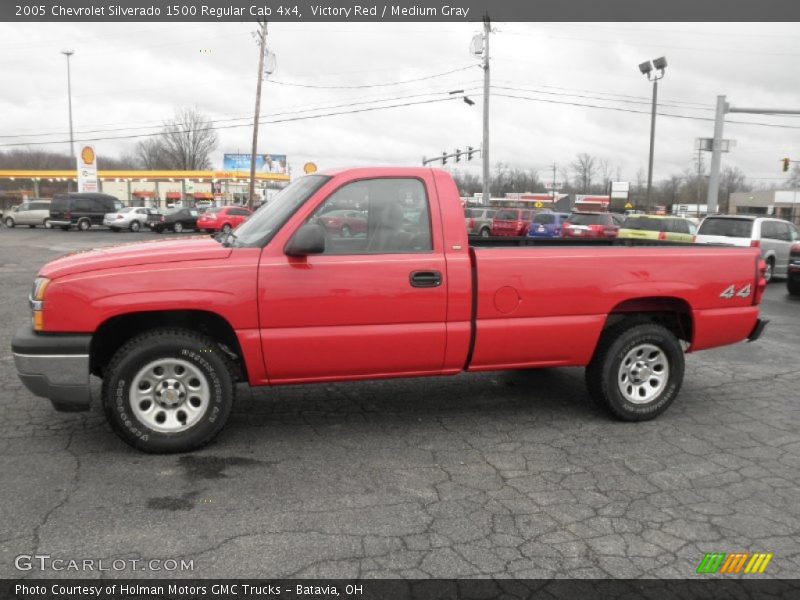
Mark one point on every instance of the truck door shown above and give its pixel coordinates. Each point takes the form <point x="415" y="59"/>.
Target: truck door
<point x="374" y="302"/>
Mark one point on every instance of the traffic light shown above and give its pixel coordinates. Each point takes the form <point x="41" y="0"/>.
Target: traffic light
<point x="786" y="162"/>
<point x="458" y="154"/>
<point x="444" y="158"/>
<point x="470" y="152"/>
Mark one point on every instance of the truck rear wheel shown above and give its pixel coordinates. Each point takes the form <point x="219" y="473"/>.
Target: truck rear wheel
<point x="168" y="390"/>
<point x="637" y="370"/>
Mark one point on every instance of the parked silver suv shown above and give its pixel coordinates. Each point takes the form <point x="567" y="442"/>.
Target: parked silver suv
<point x="31" y="213"/>
<point x="479" y="221"/>
<point x="773" y="236"/>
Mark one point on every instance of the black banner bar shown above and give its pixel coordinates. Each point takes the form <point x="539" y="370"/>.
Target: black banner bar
<point x="399" y="10"/>
<point x="711" y="588"/>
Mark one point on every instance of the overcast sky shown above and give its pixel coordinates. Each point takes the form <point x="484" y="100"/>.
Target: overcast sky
<point x="136" y="75"/>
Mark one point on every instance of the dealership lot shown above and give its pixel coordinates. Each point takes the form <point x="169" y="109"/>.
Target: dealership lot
<point x="498" y="474"/>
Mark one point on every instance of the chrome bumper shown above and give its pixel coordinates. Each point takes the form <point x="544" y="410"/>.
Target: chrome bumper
<point x="55" y="367"/>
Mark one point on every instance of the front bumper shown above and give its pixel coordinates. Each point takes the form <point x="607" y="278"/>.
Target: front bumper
<point x="54" y="366"/>
<point x="758" y="329"/>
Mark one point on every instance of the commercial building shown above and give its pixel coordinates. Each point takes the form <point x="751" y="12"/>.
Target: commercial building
<point x="146" y="188"/>
<point x="775" y="203"/>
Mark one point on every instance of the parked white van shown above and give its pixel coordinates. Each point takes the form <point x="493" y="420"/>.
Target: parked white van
<point x="773" y="236"/>
<point x="31" y="213"/>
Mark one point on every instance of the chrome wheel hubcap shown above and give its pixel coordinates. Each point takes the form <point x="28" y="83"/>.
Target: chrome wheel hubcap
<point x="169" y="395"/>
<point x="643" y="373"/>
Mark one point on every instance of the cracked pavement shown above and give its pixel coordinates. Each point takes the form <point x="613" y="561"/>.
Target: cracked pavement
<point x="511" y="474"/>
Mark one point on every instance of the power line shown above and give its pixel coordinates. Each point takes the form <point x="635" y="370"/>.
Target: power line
<point x="516" y="89"/>
<point x="248" y="118"/>
<point x="642" y="112"/>
<point x="268" y="121"/>
<point x="368" y="85"/>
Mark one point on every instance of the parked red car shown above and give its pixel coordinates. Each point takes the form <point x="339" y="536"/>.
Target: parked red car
<point x="511" y="222"/>
<point x="222" y="218"/>
<point x="344" y="223"/>
<point x="591" y="225"/>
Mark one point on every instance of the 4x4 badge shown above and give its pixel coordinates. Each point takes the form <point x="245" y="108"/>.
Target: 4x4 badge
<point x="730" y="292"/>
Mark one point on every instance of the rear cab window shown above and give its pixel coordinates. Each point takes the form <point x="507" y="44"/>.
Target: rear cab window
<point x="587" y="219"/>
<point x="727" y="227"/>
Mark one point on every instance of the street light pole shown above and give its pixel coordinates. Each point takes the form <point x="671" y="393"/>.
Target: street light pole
<point x="68" y="54"/>
<point x="654" y="71"/>
<point x="652" y="143"/>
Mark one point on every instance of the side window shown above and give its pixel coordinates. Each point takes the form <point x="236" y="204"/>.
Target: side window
<point x="784" y="232"/>
<point x="769" y="230"/>
<point x="82" y="205"/>
<point x="24" y="207"/>
<point x="795" y="234"/>
<point x="376" y="216"/>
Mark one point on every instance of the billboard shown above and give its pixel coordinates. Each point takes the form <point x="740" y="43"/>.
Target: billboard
<point x="265" y="163"/>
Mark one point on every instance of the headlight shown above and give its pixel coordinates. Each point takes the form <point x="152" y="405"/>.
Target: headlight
<point x="36" y="301"/>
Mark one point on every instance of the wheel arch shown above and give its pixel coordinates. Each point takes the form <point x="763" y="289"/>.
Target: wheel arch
<point x="669" y="311"/>
<point x="112" y="334"/>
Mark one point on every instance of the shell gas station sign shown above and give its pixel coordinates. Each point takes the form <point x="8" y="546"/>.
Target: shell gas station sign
<point x="87" y="170"/>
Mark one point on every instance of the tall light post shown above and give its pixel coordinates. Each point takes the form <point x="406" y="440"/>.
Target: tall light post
<point x="69" y="53"/>
<point x="653" y="71"/>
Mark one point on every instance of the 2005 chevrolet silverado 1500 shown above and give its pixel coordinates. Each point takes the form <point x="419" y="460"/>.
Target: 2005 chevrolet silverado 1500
<point x="172" y="326"/>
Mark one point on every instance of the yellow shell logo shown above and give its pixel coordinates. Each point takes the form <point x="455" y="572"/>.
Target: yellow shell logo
<point x="87" y="155"/>
<point x="309" y="168"/>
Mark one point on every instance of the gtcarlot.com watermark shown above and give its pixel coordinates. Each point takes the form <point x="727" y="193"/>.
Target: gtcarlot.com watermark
<point x="46" y="562"/>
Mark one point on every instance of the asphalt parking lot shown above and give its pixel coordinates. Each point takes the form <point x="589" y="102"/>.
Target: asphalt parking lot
<point x="511" y="474"/>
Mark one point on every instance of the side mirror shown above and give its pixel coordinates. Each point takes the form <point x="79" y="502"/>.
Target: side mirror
<point x="309" y="239"/>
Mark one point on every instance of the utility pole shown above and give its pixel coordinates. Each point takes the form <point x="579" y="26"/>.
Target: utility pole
<point x="554" y="183"/>
<point x="69" y="53"/>
<point x="262" y="49"/>
<point x="487" y="29"/>
<point x="716" y="151"/>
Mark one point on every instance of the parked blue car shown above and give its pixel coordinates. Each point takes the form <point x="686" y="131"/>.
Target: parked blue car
<point x="547" y="225"/>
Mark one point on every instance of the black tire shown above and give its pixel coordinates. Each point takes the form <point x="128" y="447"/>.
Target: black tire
<point x="793" y="286"/>
<point x="485" y="232"/>
<point x="198" y="350"/>
<point x="84" y="225"/>
<point x="135" y="226"/>
<point x="10" y="223"/>
<point x="177" y="227"/>
<point x="226" y="229"/>
<point x="769" y="272"/>
<point x="603" y="371"/>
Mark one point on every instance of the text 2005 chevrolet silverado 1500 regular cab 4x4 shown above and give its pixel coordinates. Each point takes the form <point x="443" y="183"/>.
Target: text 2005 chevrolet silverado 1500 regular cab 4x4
<point x="172" y="326"/>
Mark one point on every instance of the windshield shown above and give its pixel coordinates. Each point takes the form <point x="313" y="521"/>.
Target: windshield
<point x="645" y="224"/>
<point x="267" y="220"/>
<point x="727" y="227"/>
<point x="587" y="219"/>
<point x="544" y="219"/>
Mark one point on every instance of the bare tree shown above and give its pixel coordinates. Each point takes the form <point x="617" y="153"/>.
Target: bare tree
<point x="585" y="167"/>
<point x="188" y="141"/>
<point x="150" y="154"/>
<point x="604" y="169"/>
<point x="731" y="180"/>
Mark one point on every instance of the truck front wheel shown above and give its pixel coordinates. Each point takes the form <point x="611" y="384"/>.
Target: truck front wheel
<point x="168" y="390"/>
<point x="637" y="370"/>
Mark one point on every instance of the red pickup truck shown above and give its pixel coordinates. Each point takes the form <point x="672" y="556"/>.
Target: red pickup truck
<point x="172" y="326"/>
